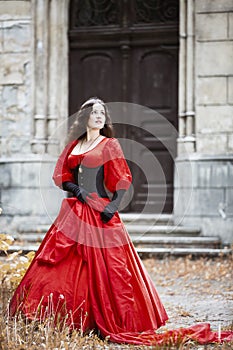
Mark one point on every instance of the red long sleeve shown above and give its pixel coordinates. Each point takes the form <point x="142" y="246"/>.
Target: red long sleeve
<point x="117" y="174"/>
<point x="62" y="172"/>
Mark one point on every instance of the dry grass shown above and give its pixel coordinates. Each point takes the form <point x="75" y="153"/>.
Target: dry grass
<point x="19" y="334"/>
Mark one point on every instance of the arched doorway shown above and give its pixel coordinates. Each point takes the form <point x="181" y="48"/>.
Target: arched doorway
<point x="128" y="51"/>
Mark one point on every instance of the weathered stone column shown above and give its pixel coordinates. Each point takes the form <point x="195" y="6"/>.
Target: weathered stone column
<point x="182" y="74"/>
<point x="50" y="50"/>
<point x="186" y="140"/>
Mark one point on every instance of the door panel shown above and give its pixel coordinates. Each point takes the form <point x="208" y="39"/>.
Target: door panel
<point x="93" y="73"/>
<point x="132" y="58"/>
<point x="154" y="84"/>
<point x="154" y="79"/>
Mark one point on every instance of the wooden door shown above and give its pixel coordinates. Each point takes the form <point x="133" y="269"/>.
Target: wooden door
<point x="127" y="51"/>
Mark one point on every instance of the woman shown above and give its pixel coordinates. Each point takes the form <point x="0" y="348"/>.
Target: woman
<point x="86" y="272"/>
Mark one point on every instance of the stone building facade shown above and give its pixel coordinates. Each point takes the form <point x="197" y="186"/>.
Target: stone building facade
<point x="206" y="116"/>
<point x="33" y="87"/>
<point x="34" y="108"/>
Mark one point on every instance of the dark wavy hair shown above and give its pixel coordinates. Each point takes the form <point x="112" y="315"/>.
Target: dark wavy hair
<point x="78" y="129"/>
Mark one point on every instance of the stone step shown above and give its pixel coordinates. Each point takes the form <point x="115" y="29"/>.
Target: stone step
<point x="32" y="229"/>
<point x="195" y="252"/>
<point x="128" y="218"/>
<point x="133" y="229"/>
<point x="159" y="230"/>
<point x="148" y="252"/>
<point x="140" y="239"/>
<point x="29" y="237"/>
<point x="147" y="219"/>
<point x="136" y="231"/>
<point x="25" y="248"/>
<point x="173" y="241"/>
<point x="153" y="235"/>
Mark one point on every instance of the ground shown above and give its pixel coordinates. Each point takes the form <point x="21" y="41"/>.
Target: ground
<point x="192" y="290"/>
<point x="195" y="290"/>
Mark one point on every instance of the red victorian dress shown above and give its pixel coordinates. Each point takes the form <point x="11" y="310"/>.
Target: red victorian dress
<point x="87" y="273"/>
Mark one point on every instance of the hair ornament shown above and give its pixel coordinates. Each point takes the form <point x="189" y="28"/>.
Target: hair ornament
<point x="91" y="100"/>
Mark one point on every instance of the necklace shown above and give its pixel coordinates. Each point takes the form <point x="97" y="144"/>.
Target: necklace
<point x="80" y="169"/>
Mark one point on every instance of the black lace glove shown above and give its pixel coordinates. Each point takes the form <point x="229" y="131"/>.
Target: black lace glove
<point x="113" y="206"/>
<point x="77" y="191"/>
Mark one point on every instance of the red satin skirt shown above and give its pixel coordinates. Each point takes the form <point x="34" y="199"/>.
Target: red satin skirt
<point x="88" y="275"/>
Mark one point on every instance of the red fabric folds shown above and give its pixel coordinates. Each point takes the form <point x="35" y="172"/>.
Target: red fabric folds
<point x="94" y="283"/>
<point x="108" y="285"/>
<point x="200" y="333"/>
<point x="87" y="273"/>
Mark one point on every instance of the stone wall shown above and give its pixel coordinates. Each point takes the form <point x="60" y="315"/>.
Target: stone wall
<point x="204" y="194"/>
<point x="214" y="76"/>
<point x="204" y="178"/>
<point x="28" y="195"/>
<point x="15" y="77"/>
<point x="30" y="38"/>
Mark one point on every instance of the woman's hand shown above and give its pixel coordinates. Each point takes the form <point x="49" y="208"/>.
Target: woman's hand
<point x="111" y="208"/>
<point x="77" y="191"/>
<point x="108" y="212"/>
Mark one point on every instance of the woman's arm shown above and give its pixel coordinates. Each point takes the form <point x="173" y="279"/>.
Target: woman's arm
<point x="117" y="177"/>
<point x="113" y="206"/>
<point x="77" y="191"/>
<point x="62" y="172"/>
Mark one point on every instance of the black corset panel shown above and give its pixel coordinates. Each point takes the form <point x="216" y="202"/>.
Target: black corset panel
<point x="92" y="179"/>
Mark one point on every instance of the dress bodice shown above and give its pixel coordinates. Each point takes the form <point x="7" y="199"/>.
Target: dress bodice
<point x="92" y="158"/>
<point x="104" y="167"/>
<point x="88" y="169"/>
<point x="89" y="177"/>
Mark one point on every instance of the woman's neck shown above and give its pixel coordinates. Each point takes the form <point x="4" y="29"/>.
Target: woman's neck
<point x="92" y="134"/>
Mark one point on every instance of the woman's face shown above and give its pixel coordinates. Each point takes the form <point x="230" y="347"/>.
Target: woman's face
<point x="97" y="117"/>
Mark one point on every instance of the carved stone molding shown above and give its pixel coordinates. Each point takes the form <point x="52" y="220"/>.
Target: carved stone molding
<point x="94" y="14"/>
<point x="186" y="78"/>
<point x="50" y="74"/>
